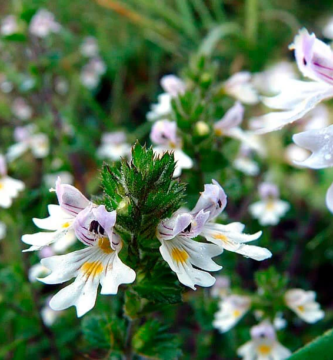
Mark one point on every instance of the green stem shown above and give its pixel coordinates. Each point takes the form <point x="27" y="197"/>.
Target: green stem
<point x="251" y="20"/>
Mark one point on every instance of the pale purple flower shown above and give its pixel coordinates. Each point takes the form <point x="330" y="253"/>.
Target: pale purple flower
<point x="9" y="25"/>
<point x="114" y="146"/>
<point x="173" y="85"/>
<point x="89" y="47"/>
<point x="21" y="109"/>
<point x="26" y="139"/>
<point x="263" y="344"/>
<point x="245" y="163"/>
<point x="164" y="135"/>
<point x="297" y="98"/>
<point x="241" y="88"/>
<point x="92" y="72"/>
<point x="43" y="24"/>
<point x="270" y="208"/>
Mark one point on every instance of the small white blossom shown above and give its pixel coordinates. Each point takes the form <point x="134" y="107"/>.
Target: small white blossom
<point x="43" y="24"/>
<point x="231" y="309"/>
<point x="264" y="345"/>
<point x="9" y="25"/>
<point x="270" y="208"/>
<point x="114" y="146"/>
<point x="3" y="230"/>
<point x="89" y="47"/>
<point x="221" y="287"/>
<point x="21" y="109"/>
<point x="244" y="162"/>
<point x="304" y="305"/>
<point x="241" y="88"/>
<point x="9" y="187"/>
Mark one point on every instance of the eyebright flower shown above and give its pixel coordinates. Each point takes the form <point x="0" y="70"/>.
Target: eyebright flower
<point x="96" y="264"/>
<point x="89" y="47"/>
<point x="304" y="305"/>
<point x="26" y="139"/>
<point x="42" y="24"/>
<point x="263" y="345"/>
<point x="21" y="109"/>
<point x="320" y="143"/>
<point x="9" y="25"/>
<point x="114" y="146"/>
<point x="231" y="309"/>
<point x="9" y="187"/>
<point x="180" y="251"/>
<point x="164" y="134"/>
<point x="221" y="287"/>
<point x="270" y="208"/>
<point x="240" y="87"/>
<point x="315" y="61"/>
<point x="244" y="163"/>
<point x="173" y="86"/>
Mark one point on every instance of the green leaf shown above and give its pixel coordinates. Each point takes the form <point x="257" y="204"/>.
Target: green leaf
<point x="154" y="341"/>
<point x="321" y="348"/>
<point x="132" y="305"/>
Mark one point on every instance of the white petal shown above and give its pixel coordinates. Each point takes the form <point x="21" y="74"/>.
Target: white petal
<point x="329" y="198"/>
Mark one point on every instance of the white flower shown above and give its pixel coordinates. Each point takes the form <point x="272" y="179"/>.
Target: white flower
<point x="294" y="154"/>
<point x="9" y="187"/>
<point x="244" y="163"/>
<point x="49" y="315"/>
<point x="240" y="87"/>
<point x="89" y="47"/>
<point x="173" y="85"/>
<point x="92" y="72"/>
<point x="328" y="29"/>
<point x="320" y="143"/>
<point x="3" y="230"/>
<point x="50" y="179"/>
<point x="315" y="60"/>
<point x="181" y="252"/>
<point x="221" y="287"/>
<point x="26" y="139"/>
<point x="114" y="146"/>
<point x="94" y="265"/>
<point x="42" y="24"/>
<point x="9" y="25"/>
<point x="162" y="109"/>
<point x="270" y="208"/>
<point x="264" y="345"/>
<point x="231" y="309"/>
<point x="21" y="109"/>
<point x="37" y="271"/>
<point x="304" y="305"/>
<point x="279" y="322"/>
<point x="317" y="118"/>
<point x="164" y="134"/>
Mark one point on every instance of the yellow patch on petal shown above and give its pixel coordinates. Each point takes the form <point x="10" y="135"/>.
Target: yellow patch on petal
<point x="301" y="308"/>
<point x="172" y="145"/>
<point x="92" y="268"/>
<point x="236" y="313"/>
<point x="104" y="245"/>
<point x="218" y="132"/>
<point x="264" y="349"/>
<point x="270" y="205"/>
<point x="1" y="186"/>
<point x="66" y="225"/>
<point x="179" y="255"/>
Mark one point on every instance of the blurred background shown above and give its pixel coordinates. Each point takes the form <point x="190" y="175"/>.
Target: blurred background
<point x="98" y="72"/>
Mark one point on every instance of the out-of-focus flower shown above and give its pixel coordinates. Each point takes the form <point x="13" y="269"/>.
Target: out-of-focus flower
<point x="320" y="143"/>
<point x="231" y="309"/>
<point x="26" y="140"/>
<point x="279" y="322"/>
<point x="9" y="187"/>
<point x="181" y="252"/>
<point x="271" y="81"/>
<point x="5" y="85"/>
<point x="114" y="146"/>
<point x="9" y="25"/>
<point x="173" y="87"/>
<point x="43" y="24"/>
<point x="263" y="345"/>
<point x="89" y="47"/>
<point x="304" y="305"/>
<point x="221" y="287"/>
<point x="61" y="85"/>
<point x="244" y="163"/>
<point x="92" y="72"/>
<point x="270" y="208"/>
<point x="328" y="29"/>
<point x="241" y="88"/>
<point x="315" y="60"/>
<point x="317" y="118"/>
<point x="97" y="264"/>
<point x="49" y="315"/>
<point x="164" y="134"/>
<point x="37" y="271"/>
<point x="3" y="230"/>
<point x="21" y="109"/>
